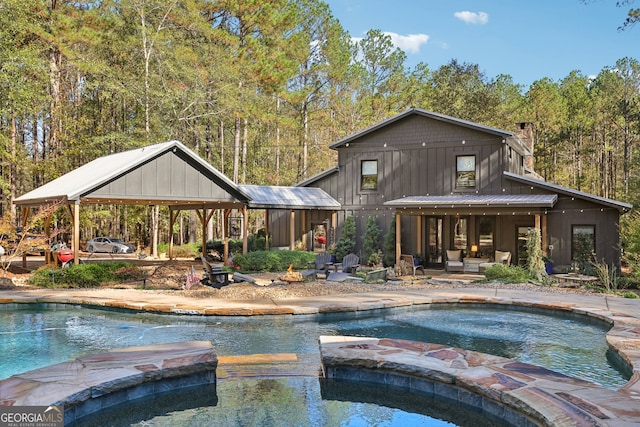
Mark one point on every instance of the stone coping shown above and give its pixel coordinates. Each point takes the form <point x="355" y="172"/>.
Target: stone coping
<point x="91" y="383"/>
<point x="516" y="392"/>
<point x="623" y="314"/>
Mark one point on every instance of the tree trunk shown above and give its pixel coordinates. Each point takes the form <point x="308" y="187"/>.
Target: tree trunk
<point x="236" y="149"/>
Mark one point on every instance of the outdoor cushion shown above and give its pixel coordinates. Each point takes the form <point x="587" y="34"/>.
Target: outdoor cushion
<point x="454" y="255"/>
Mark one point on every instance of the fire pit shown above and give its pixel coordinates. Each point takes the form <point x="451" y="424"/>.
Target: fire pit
<point x="291" y="276"/>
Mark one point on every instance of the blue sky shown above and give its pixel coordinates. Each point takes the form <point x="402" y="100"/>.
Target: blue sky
<point x="527" y="39"/>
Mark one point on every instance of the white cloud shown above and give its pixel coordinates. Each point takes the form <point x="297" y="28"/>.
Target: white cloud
<point x="410" y="43"/>
<point x="472" y="17"/>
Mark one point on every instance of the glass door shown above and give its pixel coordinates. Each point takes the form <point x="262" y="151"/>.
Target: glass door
<point x="434" y="241"/>
<point x="521" y="245"/>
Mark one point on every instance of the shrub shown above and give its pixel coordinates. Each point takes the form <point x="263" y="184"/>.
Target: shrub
<point x="630" y="294"/>
<point x="273" y="260"/>
<point x="347" y="242"/>
<point x="371" y="243"/>
<point x="235" y="246"/>
<point x="507" y="273"/>
<point x="83" y="275"/>
<point x="389" y="258"/>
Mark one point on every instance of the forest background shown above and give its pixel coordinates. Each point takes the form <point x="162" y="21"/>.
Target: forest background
<point x="260" y="89"/>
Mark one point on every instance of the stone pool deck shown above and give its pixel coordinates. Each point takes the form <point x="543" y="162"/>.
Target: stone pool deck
<point x="548" y="398"/>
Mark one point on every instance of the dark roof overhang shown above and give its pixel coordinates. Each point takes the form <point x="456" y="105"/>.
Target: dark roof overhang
<point x="623" y="207"/>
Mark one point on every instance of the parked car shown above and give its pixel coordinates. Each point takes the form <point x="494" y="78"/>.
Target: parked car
<point x="110" y="244"/>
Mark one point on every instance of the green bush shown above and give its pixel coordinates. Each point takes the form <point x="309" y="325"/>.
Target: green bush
<point x="630" y="294"/>
<point x="235" y="246"/>
<point x="273" y="260"/>
<point x="84" y="275"/>
<point x="346" y="244"/>
<point x="507" y="274"/>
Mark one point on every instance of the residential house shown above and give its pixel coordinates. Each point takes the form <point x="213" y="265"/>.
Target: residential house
<point x="454" y="184"/>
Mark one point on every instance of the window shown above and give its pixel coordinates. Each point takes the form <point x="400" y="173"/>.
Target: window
<point x="369" y="175"/>
<point x="465" y="172"/>
<point x="583" y="243"/>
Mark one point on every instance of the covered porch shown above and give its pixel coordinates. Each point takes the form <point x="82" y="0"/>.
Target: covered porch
<point x="476" y="225"/>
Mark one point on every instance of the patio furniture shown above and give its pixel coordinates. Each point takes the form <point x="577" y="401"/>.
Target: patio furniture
<point x="410" y="263"/>
<point x="500" y="257"/>
<point x="214" y="276"/>
<point x="349" y="264"/>
<point x="454" y="261"/>
<point x="322" y="263"/>
<point x="472" y="265"/>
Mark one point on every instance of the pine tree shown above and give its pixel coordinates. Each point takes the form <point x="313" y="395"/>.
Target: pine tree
<point x="347" y="242"/>
<point x="390" y="245"/>
<point x="371" y="243"/>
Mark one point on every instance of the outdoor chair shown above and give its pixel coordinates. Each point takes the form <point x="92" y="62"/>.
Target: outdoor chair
<point x="214" y="276"/>
<point x="350" y="263"/>
<point x="500" y="257"/>
<point x="322" y="263"/>
<point x="410" y="263"/>
<point x="454" y="261"/>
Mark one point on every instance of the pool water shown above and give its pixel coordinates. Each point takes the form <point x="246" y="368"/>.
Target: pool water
<point x="33" y="336"/>
<point x="290" y="402"/>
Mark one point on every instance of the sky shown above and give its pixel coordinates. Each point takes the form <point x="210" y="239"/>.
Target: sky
<point x="526" y="39"/>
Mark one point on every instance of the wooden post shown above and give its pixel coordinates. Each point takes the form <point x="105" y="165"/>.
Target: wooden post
<point x="75" y="244"/>
<point x="245" y="229"/>
<point x="266" y="229"/>
<point x="292" y="229"/>
<point x="398" y="239"/>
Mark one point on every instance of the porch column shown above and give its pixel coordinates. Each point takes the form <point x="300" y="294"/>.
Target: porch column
<point x="75" y="244"/>
<point x="173" y="216"/>
<point x="225" y="234"/>
<point x="304" y="240"/>
<point x="245" y="229"/>
<point x="398" y="239"/>
<point x="292" y="229"/>
<point x="266" y="229"/>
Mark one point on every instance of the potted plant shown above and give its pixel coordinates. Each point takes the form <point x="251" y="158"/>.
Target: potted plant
<point x="548" y="264"/>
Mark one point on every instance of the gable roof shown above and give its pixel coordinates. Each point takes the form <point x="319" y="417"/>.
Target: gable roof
<point x="280" y="197"/>
<point x="435" y="116"/>
<point x="318" y="176"/>
<point x="568" y="191"/>
<point x="164" y="173"/>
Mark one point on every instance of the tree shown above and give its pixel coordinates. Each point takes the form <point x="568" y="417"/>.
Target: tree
<point x="346" y="244"/>
<point x="371" y="244"/>
<point x="535" y="264"/>
<point x="390" y="245"/>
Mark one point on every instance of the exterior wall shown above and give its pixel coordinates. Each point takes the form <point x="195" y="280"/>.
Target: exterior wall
<point x="416" y="155"/>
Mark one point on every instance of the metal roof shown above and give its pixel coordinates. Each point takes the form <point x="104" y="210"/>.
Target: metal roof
<point x="81" y="182"/>
<point x="425" y="113"/>
<point x="568" y="191"/>
<point x="280" y="197"/>
<point x="476" y="201"/>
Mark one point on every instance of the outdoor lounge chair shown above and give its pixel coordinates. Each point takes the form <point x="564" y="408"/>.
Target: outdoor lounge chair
<point x="454" y="261"/>
<point x="350" y="263"/>
<point x="213" y="276"/>
<point x="322" y="263"/>
<point x="410" y="263"/>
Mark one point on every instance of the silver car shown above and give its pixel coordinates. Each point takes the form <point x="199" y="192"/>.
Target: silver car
<point x="110" y="244"/>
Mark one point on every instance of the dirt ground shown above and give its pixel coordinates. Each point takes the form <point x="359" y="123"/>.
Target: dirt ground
<point x="171" y="277"/>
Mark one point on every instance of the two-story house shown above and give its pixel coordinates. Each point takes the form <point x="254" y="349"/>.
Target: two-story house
<point x="454" y="184"/>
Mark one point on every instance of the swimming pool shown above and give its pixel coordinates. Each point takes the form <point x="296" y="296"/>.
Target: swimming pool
<point x="36" y="335"/>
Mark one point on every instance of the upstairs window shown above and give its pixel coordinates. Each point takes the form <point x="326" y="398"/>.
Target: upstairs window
<point x="465" y="172"/>
<point x="369" y="175"/>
